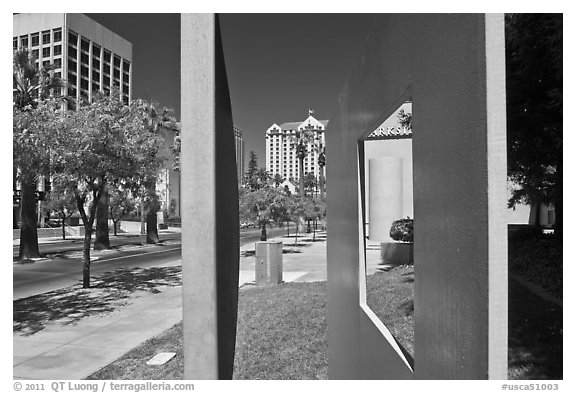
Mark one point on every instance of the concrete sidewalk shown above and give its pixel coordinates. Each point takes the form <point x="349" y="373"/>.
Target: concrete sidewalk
<point x="76" y="351"/>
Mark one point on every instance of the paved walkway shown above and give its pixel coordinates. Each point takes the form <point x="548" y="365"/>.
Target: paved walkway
<point x="76" y="351"/>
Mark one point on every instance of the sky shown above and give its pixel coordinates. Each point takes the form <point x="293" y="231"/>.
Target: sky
<point x="278" y="65"/>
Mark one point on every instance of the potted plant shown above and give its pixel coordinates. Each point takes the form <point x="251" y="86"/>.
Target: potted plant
<point x="401" y="250"/>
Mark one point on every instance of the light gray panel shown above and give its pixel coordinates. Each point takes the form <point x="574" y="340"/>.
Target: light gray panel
<point x="210" y="238"/>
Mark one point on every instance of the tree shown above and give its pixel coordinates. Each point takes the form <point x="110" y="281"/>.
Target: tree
<point x="153" y="120"/>
<point x="101" y="143"/>
<point x="322" y="165"/>
<point x="296" y="210"/>
<point x="310" y="183"/>
<point x="63" y="203"/>
<point x="33" y="116"/>
<point x="121" y="203"/>
<point x="277" y="180"/>
<point x="102" y="238"/>
<point x="303" y="141"/>
<point x="252" y="164"/>
<point x="534" y="110"/>
<point x="263" y="206"/>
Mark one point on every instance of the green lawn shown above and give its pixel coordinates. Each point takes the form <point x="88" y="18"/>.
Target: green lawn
<point x="282" y="333"/>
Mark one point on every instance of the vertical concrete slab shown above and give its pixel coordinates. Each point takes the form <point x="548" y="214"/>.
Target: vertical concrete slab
<point x="453" y="68"/>
<point x="385" y="195"/>
<point x="210" y="238"/>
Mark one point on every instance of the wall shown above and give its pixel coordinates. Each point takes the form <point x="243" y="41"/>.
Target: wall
<point x="392" y="148"/>
<point x="452" y="66"/>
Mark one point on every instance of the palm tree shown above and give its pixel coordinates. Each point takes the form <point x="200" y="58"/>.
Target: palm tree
<point x="302" y="140"/>
<point x="157" y="119"/>
<point x="30" y="86"/>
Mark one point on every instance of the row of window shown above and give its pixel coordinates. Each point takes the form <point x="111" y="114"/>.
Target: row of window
<point x="33" y="39"/>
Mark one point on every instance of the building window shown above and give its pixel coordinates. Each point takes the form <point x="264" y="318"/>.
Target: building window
<point x="96" y="64"/>
<point x="24" y="41"/>
<point x="72" y="65"/>
<point x="116" y="73"/>
<point x="57" y="50"/>
<point x="35" y="39"/>
<point x="72" y="52"/>
<point x="57" y="35"/>
<point x="84" y="83"/>
<point x="46" y="52"/>
<point x="72" y="38"/>
<point x="58" y="63"/>
<point x="106" y="68"/>
<point x="45" y="63"/>
<point x="85" y="45"/>
<point x="45" y="37"/>
<point x="71" y="78"/>
<point x="126" y="78"/>
<point x="95" y="87"/>
<point x="71" y="91"/>
<point x="14" y="43"/>
<point x="96" y="50"/>
<point x="84" y="58"/>
<point x="125" y="89"/>
<point x="84" y="71"/>
<point x="107" y="55"/>
<point x="35" y="53"/>
<point x="58" y="74"/>
<point x="95" y="75"/>
<point x="125" y="100"/>
<point x="106" y="80"/>
<point x="126" y="66"/>
<point x="116" y="61"/>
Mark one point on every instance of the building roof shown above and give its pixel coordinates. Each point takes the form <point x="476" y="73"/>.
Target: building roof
<point x="294" y="125"/>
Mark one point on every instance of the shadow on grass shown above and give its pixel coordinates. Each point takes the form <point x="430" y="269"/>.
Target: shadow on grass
<point x="534" y="336"/>
<point x="318" y="239"/>
<point x="108" y="292"/>
<point x="297" y="244"/>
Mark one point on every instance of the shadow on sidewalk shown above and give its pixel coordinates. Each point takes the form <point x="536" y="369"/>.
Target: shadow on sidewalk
<point x="109" y="291"/>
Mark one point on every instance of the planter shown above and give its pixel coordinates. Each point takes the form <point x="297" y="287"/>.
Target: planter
<point x="268" y="263"/>
<point x="397" y="253"/>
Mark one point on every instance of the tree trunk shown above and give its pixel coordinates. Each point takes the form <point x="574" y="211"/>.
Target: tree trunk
<point x="559" y="200"/>
<point x="142" y="220"/>
<point x="263" y="236"/>
<point x="115" y="228"/>
<point x="28" y="231"/>
<point x="314" y="231"/>
<point x="102" y="240"/>
<point x="308" y="230"/>
<point x="301" y="172"/>
<point x="86" y="257"/>
<point x="151" y="227"/>
<point x="296" y="241"/>
<point x="288" y="229"/>
<point x="63" y="228"/>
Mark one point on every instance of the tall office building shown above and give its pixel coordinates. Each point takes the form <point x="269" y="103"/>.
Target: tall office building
<point x="86" y="54"/>
<point x="239" y="144"/>
<point x="280" y="151"/>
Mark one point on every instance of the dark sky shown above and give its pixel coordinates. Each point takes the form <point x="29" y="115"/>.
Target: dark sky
<point x="278" y="65"/>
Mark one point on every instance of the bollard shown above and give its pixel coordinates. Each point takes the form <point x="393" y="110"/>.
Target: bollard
<point x="268" y="263"/>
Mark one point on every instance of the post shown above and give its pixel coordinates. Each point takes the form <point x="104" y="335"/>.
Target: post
<point x="210" y="238"/>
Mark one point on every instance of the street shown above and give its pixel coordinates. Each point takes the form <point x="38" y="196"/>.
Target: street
<point x="34" y="278"/>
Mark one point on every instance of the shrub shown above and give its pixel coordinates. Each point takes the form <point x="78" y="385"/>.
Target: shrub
<point x="403" y="230"/>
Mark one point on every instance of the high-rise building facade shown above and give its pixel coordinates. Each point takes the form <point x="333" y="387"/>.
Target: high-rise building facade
<point x="239" y="145"/>
<point x="281" y="152"/>
<point x="87" y="55"/>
